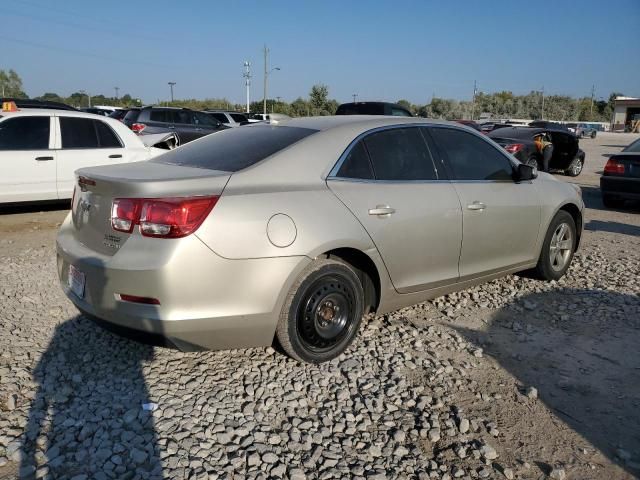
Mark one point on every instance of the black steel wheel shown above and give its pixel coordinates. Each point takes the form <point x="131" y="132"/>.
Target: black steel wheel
<point x="322" y="313"/>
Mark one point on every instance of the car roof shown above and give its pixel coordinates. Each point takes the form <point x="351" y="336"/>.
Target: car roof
<point x="363" y="122"/>
<point x="49" y="112"/>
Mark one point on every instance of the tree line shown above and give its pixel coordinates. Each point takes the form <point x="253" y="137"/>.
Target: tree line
<point x="503" y="104"/>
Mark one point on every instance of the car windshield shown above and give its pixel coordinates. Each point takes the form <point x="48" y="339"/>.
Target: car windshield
<point x="235" y="149"/>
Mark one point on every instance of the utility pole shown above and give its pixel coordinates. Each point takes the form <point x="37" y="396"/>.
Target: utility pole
<point x="355" y="95"/>
<point x="88" y="97"/>
<point x="264" y="100"/>
<point x="267" y="72"/>
<point x="117" y="89"/>
<point x="171" y="84"/>
<point x="247" y="80"/>
<point x="542" y="111"/>
<point x="593" y="92"/>
<point x="473" y="103"/>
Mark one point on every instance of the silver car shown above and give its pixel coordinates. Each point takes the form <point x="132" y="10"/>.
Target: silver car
<point x="294" y="231"/>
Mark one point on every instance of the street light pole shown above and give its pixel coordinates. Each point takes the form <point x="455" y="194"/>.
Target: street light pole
<point x="354" y="95"/>
<point x="88" y="97"/>
<point x="542" y="111"/>
<point x="247" y="80"/>
<point x="117" y="89"/>
<point x="171" y="84"/>
<point x="593" y="91"/>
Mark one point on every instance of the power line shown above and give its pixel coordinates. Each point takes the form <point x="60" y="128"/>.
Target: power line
<point x="80" y="52"/>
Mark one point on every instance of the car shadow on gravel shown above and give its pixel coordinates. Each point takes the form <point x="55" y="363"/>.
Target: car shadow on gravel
<point x="579" y="349"/>
<point x="86" y="417"/>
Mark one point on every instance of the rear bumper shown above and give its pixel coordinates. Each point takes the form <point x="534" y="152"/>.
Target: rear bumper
<point x="621" y="187"/>
<point x="206" y="301"/>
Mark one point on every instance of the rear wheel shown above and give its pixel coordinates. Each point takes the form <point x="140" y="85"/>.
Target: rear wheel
<point x="558" y="247"/>
<point x="322" y="312"/>
<point x="532" y="161"/>
<point x="575" y="168"/>
<point x="611" y="201"/>
<point x="593" y="134"/>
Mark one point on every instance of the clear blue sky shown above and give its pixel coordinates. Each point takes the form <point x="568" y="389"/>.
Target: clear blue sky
<point x="379" y="50"/>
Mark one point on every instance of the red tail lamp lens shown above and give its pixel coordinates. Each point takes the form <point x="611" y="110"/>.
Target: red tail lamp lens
<point x="514" y="147"/>
<point x="161" y="217"/>
<point x="138" y="127"/>
<point x="614" y="166"/>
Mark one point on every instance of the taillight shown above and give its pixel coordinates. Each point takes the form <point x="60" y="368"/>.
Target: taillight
<point x="161" y="217"/>
<point x="138" y="127"/>
<point x="514" y="147"/>
<point x="125" y="213"/>
<point x="614" y="166"/>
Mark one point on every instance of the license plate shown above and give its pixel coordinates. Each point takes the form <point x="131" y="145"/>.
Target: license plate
<point x="76" y="281"/>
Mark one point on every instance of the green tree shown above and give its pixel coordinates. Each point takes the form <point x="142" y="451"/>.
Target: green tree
<point x="318" y="98"/>
<point x="11" y="84"/>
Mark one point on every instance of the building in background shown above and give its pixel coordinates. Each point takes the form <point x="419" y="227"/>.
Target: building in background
<point x="626" y="112"/>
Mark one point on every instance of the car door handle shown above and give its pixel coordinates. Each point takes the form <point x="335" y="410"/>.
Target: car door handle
<point x="382" y="210"/>
<point x="43" y="159"/>
<point x="115" y="155"/>
<point x="476" y="206"/>
<point x="171" y="126"/>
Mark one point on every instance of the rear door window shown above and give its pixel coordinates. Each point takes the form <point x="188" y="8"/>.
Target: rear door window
<point x="182" y="116"/>
<point x="470" y="157"/>
<point x="160" y="116"/>
<point x="400" y="154"/>
<point x="235" y="148"/>
<point x="356" y="164"/>
<point x="238" y="117"/>
<point x="78" y="133"/>
<point x="107" y="138"/>
<point x="204" y="120"/>
<point x="25" y="133"/>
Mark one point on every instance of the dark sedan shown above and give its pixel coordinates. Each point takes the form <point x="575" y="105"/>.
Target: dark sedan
<point x="521" y="143"/>
<point x="620" y="180"/>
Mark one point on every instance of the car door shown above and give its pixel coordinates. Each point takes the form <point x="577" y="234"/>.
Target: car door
<point x="85" y="142"/>
<point x="184" y="124"/>
<point x="501" y="217"/>
<point x="27" y="160"/>
<point x="389" y="181"/>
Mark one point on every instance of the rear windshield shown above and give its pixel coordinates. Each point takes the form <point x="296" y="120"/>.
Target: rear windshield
<point x="132" y="114"/>
<point x="236" y="148"/>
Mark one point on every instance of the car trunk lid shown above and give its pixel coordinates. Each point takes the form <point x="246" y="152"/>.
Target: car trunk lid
<point x="97" y="187"/>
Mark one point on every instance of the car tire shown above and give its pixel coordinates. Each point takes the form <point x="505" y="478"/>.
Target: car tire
<point x="593" y="134"/>
<point x="610" y="201"/>
<point x="532" y="161"/>
<point x="322" y="312"/>
<point x="575" y="167"/>
<point x="558" y="248"/>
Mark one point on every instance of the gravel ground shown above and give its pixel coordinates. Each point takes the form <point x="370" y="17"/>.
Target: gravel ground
<point x="512" y="379"/>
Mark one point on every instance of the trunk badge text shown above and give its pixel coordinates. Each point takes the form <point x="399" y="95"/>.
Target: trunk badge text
<point x="84" y="205"/>
<point x="111" y="241"/>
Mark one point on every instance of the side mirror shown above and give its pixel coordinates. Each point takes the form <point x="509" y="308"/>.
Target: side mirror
<point x="526" y="172"/>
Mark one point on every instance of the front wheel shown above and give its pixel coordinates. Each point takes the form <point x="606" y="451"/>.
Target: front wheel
<point x="322" y="312"/>
<point x="558" y="247"/>
<point x="575" y="168"/>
